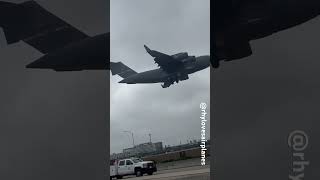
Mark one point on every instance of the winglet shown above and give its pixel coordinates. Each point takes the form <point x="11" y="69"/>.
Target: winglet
<point x="147" y="49"/>
<point x="151" y="52"/>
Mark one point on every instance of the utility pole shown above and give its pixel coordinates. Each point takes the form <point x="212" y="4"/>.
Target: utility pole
<point x="131" y="136"/>
<point x="150" y="138"/>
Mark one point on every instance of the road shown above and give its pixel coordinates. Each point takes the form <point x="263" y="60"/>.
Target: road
<point x="179" y="174"/>
<point x="189" y="169"/>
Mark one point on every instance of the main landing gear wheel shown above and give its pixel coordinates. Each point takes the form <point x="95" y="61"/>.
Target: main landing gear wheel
<point x="167" y="83"/>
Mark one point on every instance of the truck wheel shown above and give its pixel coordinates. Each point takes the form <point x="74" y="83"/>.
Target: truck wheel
<point x="119" y="177"/>
<point x="138" y="173"/>
<point x="150" y="173"/>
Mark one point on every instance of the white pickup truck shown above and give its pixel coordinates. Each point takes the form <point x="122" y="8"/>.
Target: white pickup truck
<point x="131" y="166"/>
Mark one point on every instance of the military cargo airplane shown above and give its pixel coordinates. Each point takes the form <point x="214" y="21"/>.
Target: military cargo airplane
<point x="173" y="68"/>
<point x="237" y="22"/>
<point x="65" y="48"/>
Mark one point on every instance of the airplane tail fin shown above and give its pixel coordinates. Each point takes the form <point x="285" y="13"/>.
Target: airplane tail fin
<point x="120" y="69"/>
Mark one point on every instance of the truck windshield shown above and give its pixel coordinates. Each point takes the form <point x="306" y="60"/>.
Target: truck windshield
<point x="136" y="160"/>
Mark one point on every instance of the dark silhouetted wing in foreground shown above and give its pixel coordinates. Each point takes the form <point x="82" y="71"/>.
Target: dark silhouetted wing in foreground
<point x="65" y="48"/>
<point x="36" y="26"/>
<point x="237" y="22"/>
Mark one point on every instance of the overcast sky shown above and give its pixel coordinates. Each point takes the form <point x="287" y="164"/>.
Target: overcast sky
<point x="170" y="114"/>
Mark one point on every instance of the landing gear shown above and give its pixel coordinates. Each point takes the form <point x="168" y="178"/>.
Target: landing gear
<point x="175" y="78"/>
<point x="168" y="83"/>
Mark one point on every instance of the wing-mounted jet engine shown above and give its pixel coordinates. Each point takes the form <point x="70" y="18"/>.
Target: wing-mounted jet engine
<point x="189" y="62"/>
<point x="180" y="56"/>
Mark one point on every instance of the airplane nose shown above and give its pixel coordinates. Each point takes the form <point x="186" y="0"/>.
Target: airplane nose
<point x="204" y="61"/>
<point x="207" y="60"/>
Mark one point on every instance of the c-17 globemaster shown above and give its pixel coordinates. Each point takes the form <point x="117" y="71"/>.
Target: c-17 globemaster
<point x="173" y="68"/>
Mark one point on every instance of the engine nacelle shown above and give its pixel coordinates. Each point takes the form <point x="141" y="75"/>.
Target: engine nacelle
<point x="189" y="62"/>
<point x="189" y="59"/>
<point x="180" y="56"/>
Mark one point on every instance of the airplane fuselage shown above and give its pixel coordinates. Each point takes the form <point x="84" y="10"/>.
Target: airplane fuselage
<point x="159" y="75"/>
<point x="237" y="22"/>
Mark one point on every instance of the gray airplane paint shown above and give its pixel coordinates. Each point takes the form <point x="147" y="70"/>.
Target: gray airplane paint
<point x="159" y="75"/>
<point x="185" y="66"/>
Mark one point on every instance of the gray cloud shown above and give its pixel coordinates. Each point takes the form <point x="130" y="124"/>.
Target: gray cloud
<point x="172" y="114"/>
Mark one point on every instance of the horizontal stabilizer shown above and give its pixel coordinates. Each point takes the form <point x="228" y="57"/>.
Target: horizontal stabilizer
<point x="120" y="69"/>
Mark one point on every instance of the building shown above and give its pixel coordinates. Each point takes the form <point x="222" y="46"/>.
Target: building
<point x="145" y="148"/>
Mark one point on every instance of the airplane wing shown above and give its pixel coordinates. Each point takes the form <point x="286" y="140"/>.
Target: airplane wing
<point x="237" y="22"/>
<point x="166" y="62"/>
<point x="33" y="24"/>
